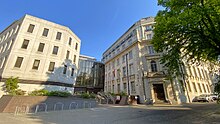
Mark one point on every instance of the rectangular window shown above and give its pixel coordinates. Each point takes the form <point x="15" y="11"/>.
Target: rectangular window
<point x="200" y="88"/>
<point x="204" y="88"/>
<point x="18" y="62"/>
<point x="45" y="32"/>
<point x="55" y="50"/>
<point x="131" y="68"/>
<point x="194" y="86"/>
<point x="41" y="47"/>
<point x="124" y="71"/>
<point x="118" y="88"/>
<point x="149" y="36"/>
<point x="36" y="64"/>
<point x="76" y="47"/>
<point x="51" y="66"/>
<point x="58" y="37"/>
<point x="151" y="49"/>
<point x="67" y="54"/>
<point x="118" y="73"/>
<point x="74" y="58"/>
<point x="25" y="44"/>
<point x="194" y="70"/>
<point x="123" y="58"/>
<point x="189" y="87"/>
<point x="31" y="28"/>
<point x="130" y="54"/>
<point x="207" y="86"/>
<point x="132" y="87"/>
<point x="70" y="41"/>
<point x="125" y="87"/>
<point x="64" y="69"/>
<point x="118" y="61"/>
<point x="72" y="72"/>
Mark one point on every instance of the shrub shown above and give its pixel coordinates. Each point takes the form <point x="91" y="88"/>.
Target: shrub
<point x="59" y="93"/>
<point x="85" y="95"/>
<point x="20" y="92"/>
<point x="11" y="85"/>
<point x="41" y="92"/>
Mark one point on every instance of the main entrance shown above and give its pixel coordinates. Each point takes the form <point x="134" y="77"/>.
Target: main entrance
<point x="159" y="94"/>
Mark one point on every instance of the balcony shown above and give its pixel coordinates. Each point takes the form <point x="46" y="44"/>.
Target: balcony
<point x="159" y="74"/>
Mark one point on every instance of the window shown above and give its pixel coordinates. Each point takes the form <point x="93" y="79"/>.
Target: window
<point x="130" y="54"/>
<point x="76" y="47"/>
<point x="31" y="28"/>
<point x="70" y="41"/>
<point x="194" y="70"/>
<point x="18" y="62"/>
<point x="125" y="87"/>
<point x="132" y="87"/>
<point x="190" y="90"/>
<point x="67" y="54"/>
<point x="41" y="47"/>
<point x="72" y="72"/>
<point x="153" y="66"/>
<point x="36" y="64"/>
<point x="131" y="68"/>
<point x="204" y="88"/>
<point x="148" y="28"/>
<point x="58" y="37"/>
<point x="51" y="66"/>
<point x="149" y="36"/>
<point x="124" y="71"/>
<point x="74" y="58"/>
<point x="200" y="88"/>
<point x="118" y="73"/>
<point x="194" y="86"/>
<point x="151" y="49"/>
<point x="64" y="69"/>
<point x="123" y="58"/>
<point x="45" y="32"/>
<point x="207" y="86"/>
<point x="25" y="44"/>
<point x="118" y="61"/>
<point x="118" y="88"/>
<point x="55" y="50"/>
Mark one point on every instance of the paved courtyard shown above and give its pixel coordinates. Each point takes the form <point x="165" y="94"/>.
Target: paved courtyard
<point x="196" y="113"/>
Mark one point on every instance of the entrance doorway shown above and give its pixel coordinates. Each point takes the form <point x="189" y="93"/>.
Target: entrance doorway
<point x="159" y="93"/>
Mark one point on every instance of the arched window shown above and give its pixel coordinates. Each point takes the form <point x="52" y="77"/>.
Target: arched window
<point x="153" y="66"/>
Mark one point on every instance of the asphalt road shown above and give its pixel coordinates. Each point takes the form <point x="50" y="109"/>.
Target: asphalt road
<point x="197" y="113"/>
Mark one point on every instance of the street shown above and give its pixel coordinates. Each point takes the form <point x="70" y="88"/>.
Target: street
<point x="195" y="113"/>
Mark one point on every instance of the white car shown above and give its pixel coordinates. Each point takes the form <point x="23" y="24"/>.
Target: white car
<point x="214" y="96"/>
<point x="204" y="98"/>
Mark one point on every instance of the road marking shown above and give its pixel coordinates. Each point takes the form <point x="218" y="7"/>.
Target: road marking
<point x="98" y="109"/>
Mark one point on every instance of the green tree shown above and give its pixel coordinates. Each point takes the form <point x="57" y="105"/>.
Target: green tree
<point x="11" y="85"/>
<point x="188" y="29"/>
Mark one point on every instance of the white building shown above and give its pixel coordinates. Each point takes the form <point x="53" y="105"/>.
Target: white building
<point x="132" y="66"/>
<point x="41" y="53"/>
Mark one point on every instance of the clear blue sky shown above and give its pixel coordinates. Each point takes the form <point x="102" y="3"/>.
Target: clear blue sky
<point x="98" y="23"/>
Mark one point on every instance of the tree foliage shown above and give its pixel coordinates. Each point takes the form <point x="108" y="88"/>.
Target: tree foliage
<point x="187" y="29"/>
<point x="11" y="84"/>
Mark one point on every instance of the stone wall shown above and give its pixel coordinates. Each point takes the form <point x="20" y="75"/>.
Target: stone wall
<point x="28" y="104"/>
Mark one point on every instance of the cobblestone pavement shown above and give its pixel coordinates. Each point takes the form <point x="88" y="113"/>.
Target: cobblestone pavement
<point x="196" y="113"/>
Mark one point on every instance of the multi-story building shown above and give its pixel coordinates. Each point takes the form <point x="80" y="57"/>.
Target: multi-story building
<point x="41" y="53"/>
<point x="132" y="66"/>
<point x="90" y="77"/>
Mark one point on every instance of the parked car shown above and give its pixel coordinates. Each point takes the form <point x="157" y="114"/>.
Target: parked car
<point x="204" y="98"/>
<point x="214" y="96"/>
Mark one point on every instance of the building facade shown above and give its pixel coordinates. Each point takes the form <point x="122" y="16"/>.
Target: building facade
<point x="132" y="66"/>
<point x="90" y="77"/>
<point x="41" y="53"/>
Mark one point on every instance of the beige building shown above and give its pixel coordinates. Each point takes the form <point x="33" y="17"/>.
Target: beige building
<point x="41" y="53"/>
<point x="132" y="66"/>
